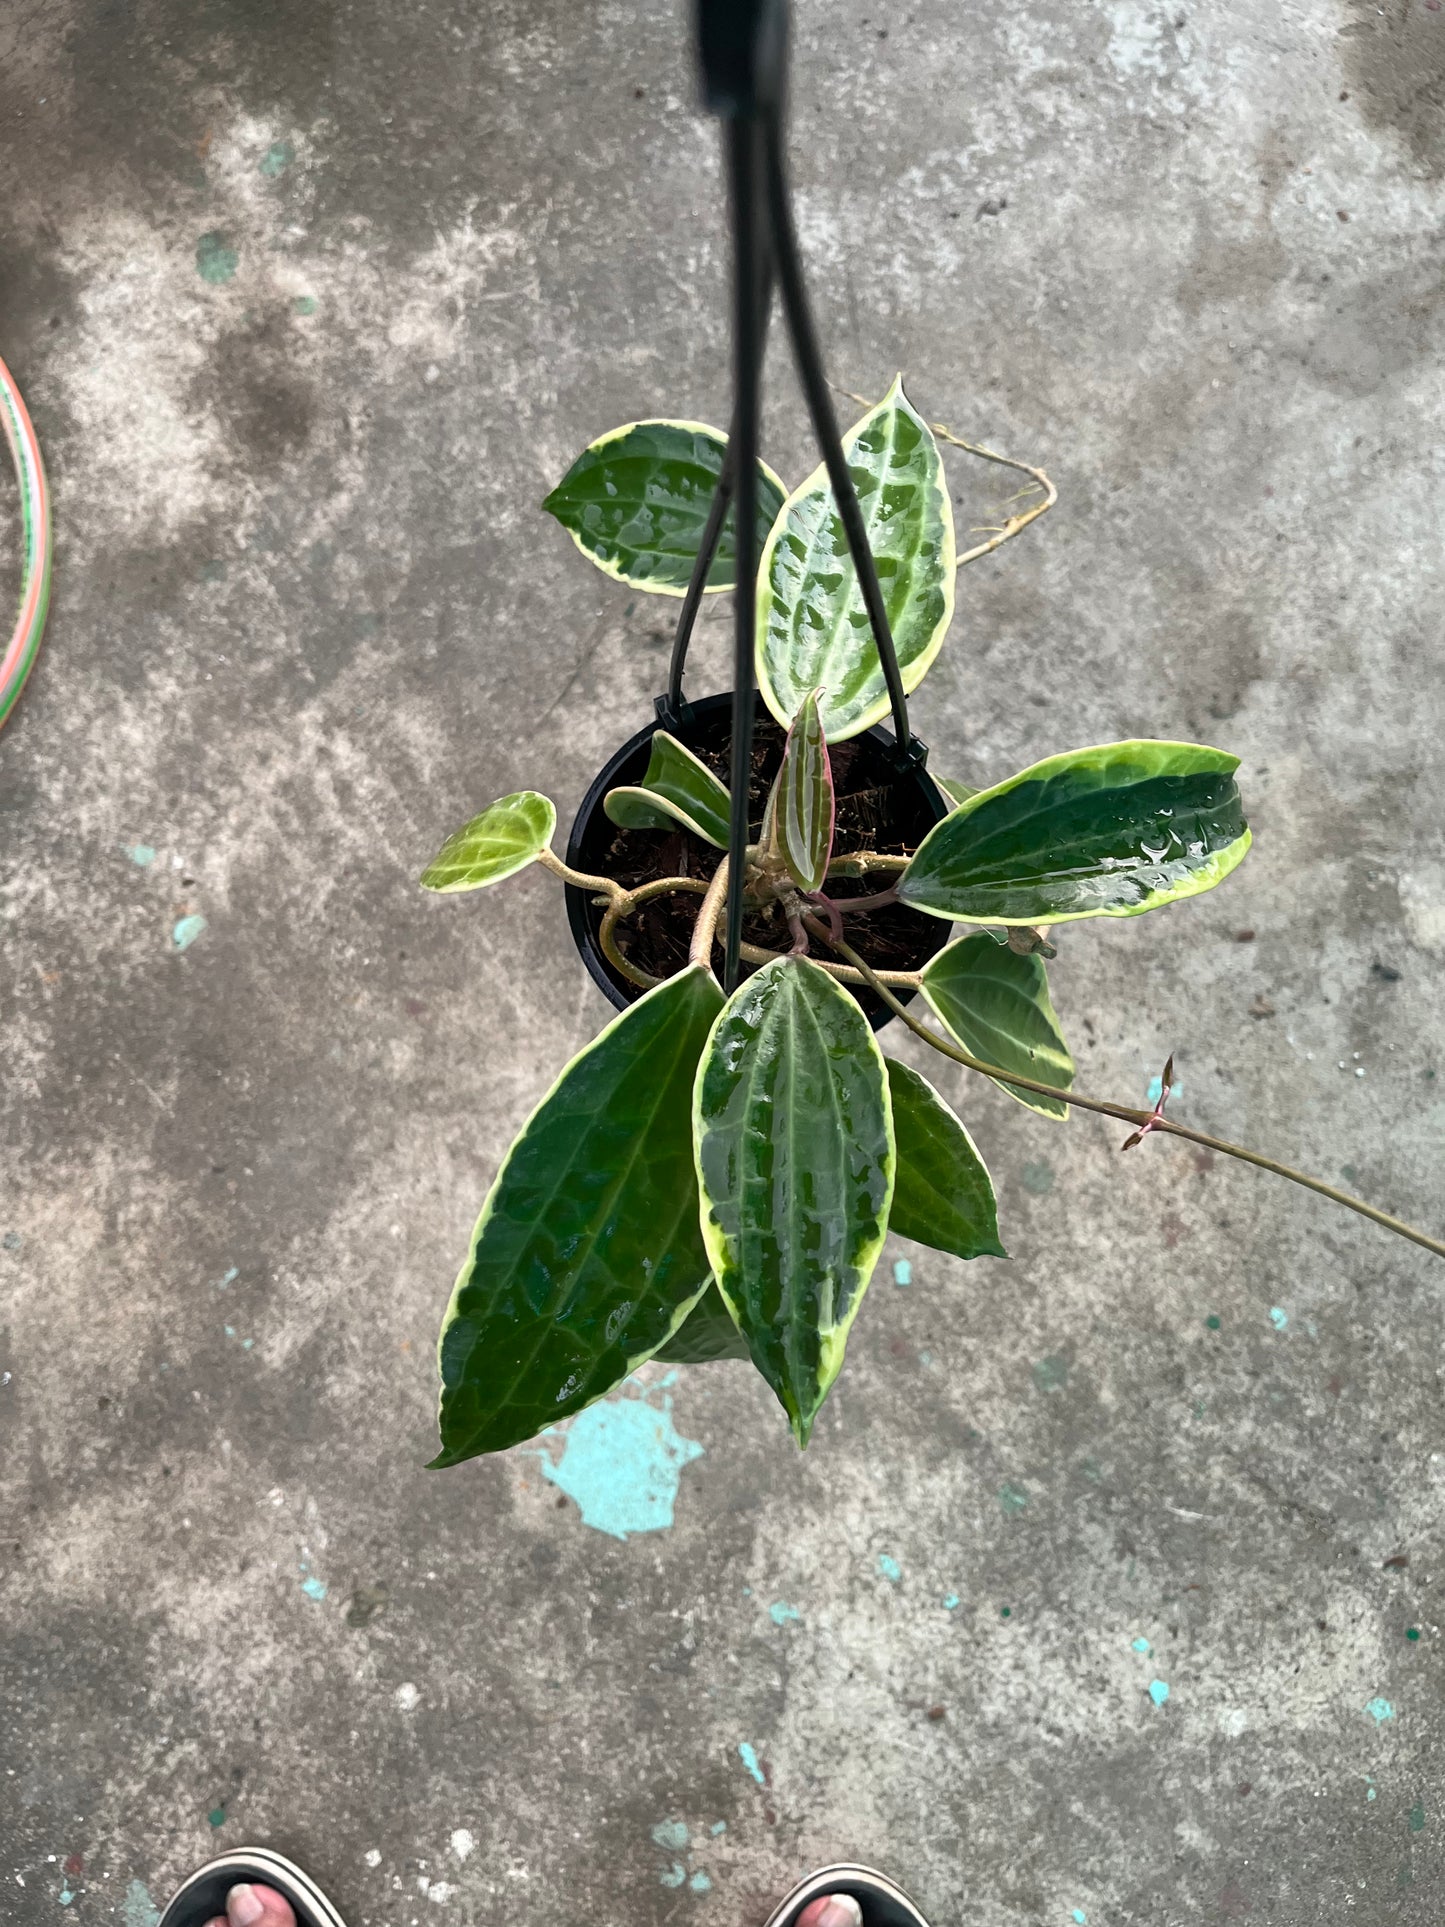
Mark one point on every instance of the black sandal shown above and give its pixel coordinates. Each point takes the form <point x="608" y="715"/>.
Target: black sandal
<point x="883" y="1903"/>
<point x="203" y="1896"/>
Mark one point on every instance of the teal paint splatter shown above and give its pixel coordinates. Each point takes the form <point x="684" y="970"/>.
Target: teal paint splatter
<point x="314" y="1588"/>
<point x="1140" y="1645"/>
<point x="1371" y="1791"/>
<point x="1158" y="1691"/>
<point x="65" y="1896"/>
<point x="1412" y="1632"/>
<point x="950" y="1603"/>
<point x="142" y="855"/>
<point x="1012" y="1498"/>
<point x="1038" y="1178"/>
<point x="1051" y="1374"/>
<point x="780" y="1613"/>
<point x="890" y="1568"/>
<point x="187" y="930"/>
<point x="1278" y="1318"/>
<point x="621" y="1464"/>
<point x="674" y="1875"/>
<point x="1005" y="1612"/>
<point x="138" y="1909"/>
<point x="1079" y="1917"/>
<point x="277" y="158"/>
<point x="1417" y="1817"/>
<point x="12" y="1241"/>
<point x="1214" y="1321"/>
<point x="717" y="1827"/>
<point x="216" y="1818"/>
<point x="748" y="1755"/>
<point x="902" y="1272"/>
<point x="1379" y="1710"/>
<point x="216" y="262"/>
<point x="671" y="1835"/>
<point x="700" y="1883"/>
<point x="305" y="304"/>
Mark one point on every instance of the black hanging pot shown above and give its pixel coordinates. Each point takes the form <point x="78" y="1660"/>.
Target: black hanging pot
<point x="880" y="807"/>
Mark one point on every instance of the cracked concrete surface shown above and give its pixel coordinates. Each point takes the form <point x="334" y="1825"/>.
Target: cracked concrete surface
<point x="311" y="305"/>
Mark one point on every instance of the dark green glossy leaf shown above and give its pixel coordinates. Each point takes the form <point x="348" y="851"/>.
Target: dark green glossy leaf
<point x="676" y="788"/>
<point x="795" y="1162"/>
<point x="496" y="844"/>
<point x="1105" y="832"/>
<point x="803" y="814"/>
<point x="707" y="1333"/>
<point x="587" y="1255"/>
<point x="955" y="792"/>
<point x="996" y="1003"/>
<point x="943" y="1196"/>
<point x="636" y="501"/>
<point x="812" y="625"/>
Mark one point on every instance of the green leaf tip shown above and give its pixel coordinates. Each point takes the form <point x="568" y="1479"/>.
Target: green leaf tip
<point x="1110" y="831"/>
<point x="505" y="838"/>
<point x="793" y="1137"/>
<point x="636" y="502"/>
<point x="813" y="627"/>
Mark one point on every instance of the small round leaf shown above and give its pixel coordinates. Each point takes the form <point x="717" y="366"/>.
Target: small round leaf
<point x="496" y="844"/>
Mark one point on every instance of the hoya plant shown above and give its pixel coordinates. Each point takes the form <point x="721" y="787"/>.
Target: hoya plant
<point x="714" y="1175"/>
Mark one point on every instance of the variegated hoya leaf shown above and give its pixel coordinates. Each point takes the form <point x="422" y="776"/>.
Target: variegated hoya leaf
<point x="812" y="625"/>
<point x="795" y="1159"/>
<point x="1104" y="832"/>
<point x="803" y="814"/>
<point x="943" y="1196"/>
<point x="636" y="501"/>
<point x="677" y="788"/>
<point x="504" y="839"/>
<point x="588" y="1255"/>
<point x="995" y="1001"/>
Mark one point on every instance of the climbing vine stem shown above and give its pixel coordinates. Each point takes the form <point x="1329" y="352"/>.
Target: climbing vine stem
<point x="1123" y="1112"/>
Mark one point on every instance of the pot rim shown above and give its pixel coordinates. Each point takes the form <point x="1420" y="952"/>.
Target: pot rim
<point x="582" y="919"/>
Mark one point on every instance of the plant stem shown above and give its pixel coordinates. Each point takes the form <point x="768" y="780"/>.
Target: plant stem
<point x="607" y="942"/>
<point x="624" y="906"/>
<point x="705" y="929"/>
<point x="1123" y="1111"/>
<point x="880" y="899"/>
<point x="551" y="861"/>
<point x="845" y="973"/>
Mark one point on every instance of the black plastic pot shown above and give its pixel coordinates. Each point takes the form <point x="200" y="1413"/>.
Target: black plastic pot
<point x="919" y="805"/>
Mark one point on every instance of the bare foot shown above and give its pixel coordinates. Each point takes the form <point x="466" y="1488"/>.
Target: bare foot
<point x="833" y="1910"/>
<point x="264" y="1907"/>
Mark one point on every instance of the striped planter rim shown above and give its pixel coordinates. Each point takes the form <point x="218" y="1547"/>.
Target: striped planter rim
<point x="35" y="533"/>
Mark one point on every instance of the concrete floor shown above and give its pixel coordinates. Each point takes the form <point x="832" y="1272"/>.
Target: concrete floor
<point x="312" y="304"/>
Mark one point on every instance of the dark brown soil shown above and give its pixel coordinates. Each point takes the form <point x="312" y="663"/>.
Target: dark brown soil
<point x="657" y="936"/>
